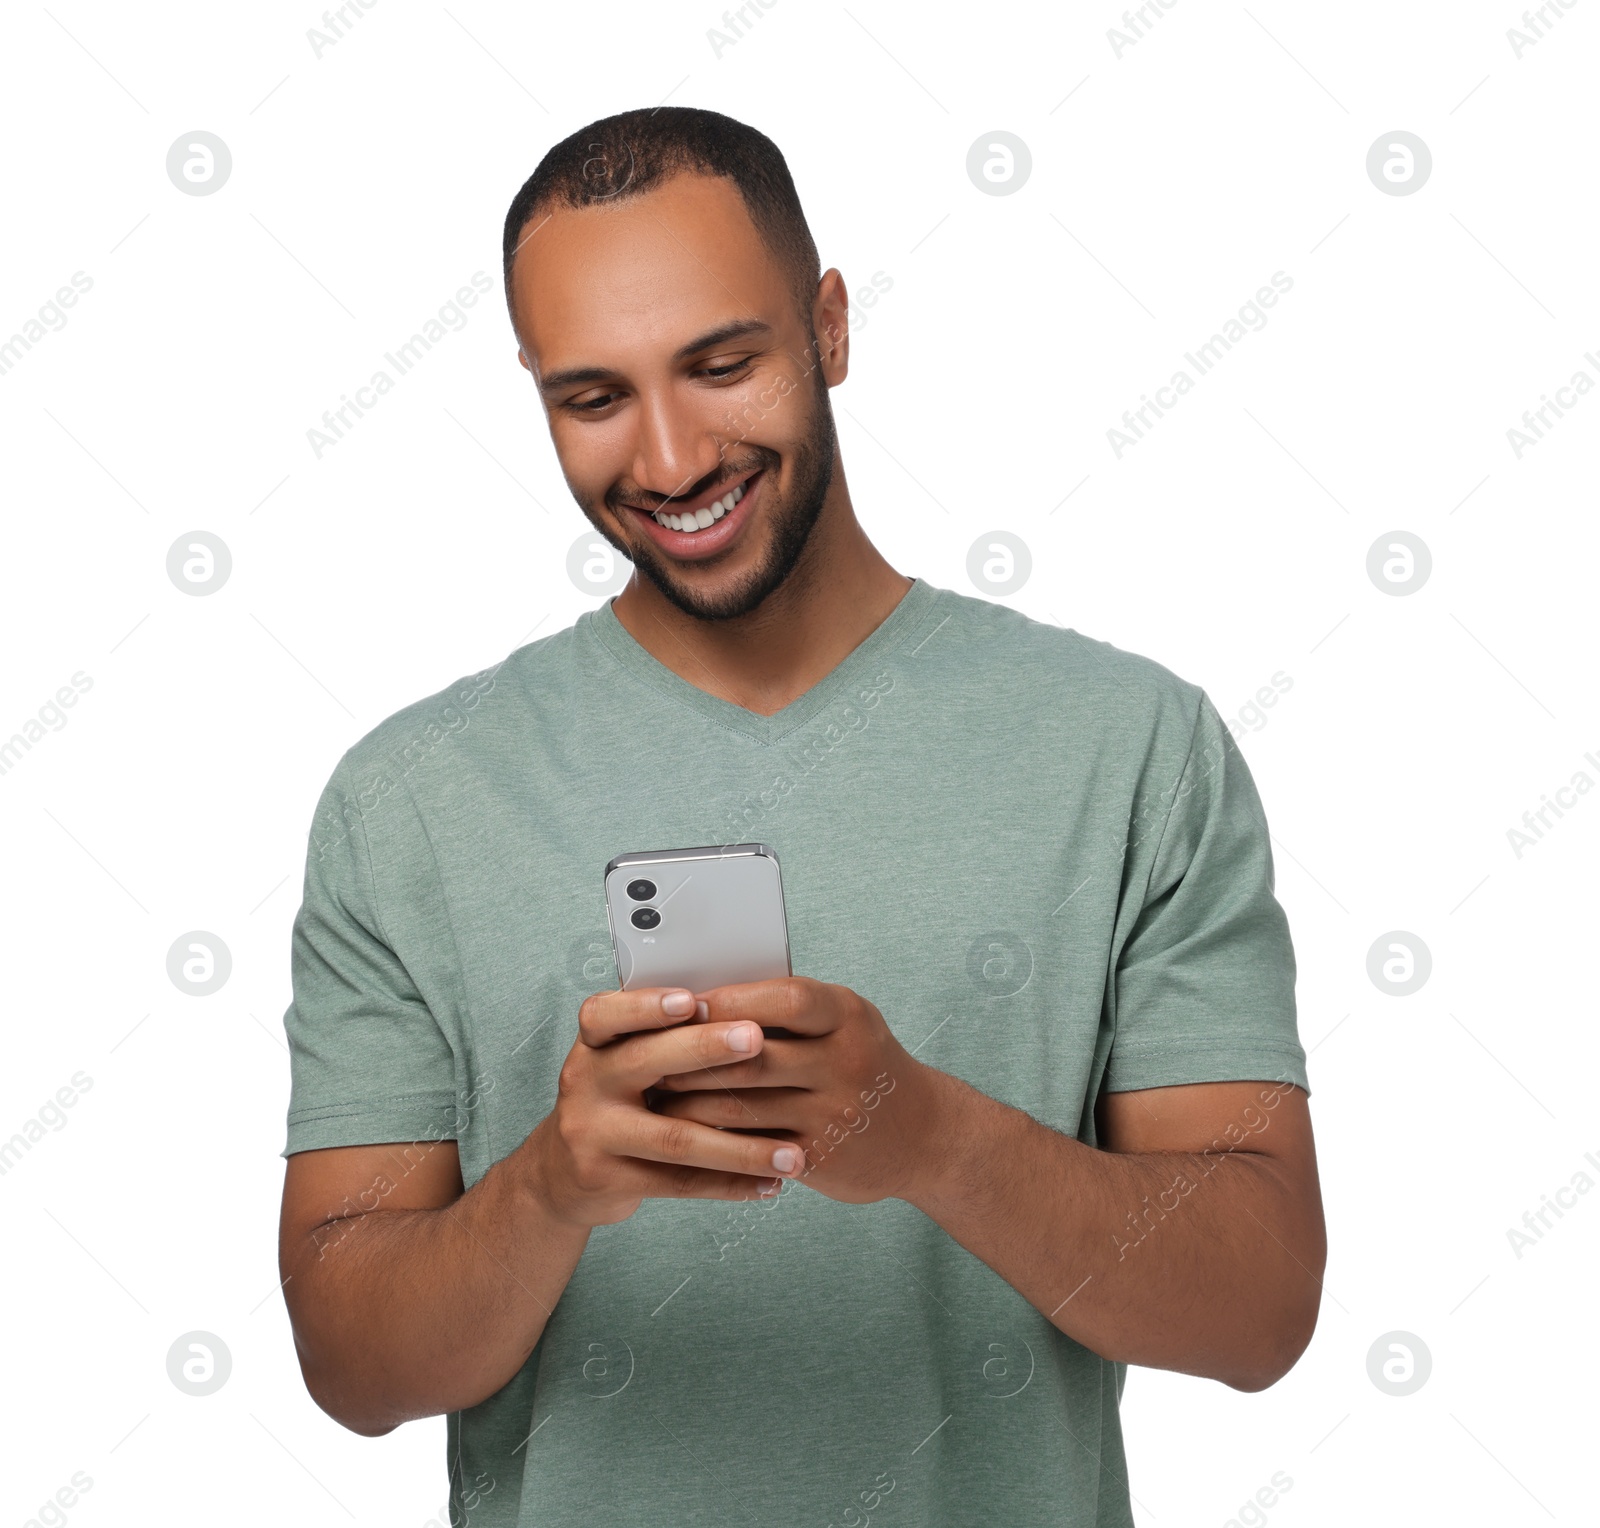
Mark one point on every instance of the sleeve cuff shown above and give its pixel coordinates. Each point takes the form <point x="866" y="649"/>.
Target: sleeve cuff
<point x="373" y="1122"/>
<point x="1132" y="1067"/>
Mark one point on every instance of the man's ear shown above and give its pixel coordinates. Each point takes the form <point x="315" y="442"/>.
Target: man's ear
<point x="831" y="323"/>
<point x="522" y="356"/>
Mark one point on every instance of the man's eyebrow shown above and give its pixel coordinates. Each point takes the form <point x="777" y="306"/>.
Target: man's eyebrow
<point x="734" y="329"/>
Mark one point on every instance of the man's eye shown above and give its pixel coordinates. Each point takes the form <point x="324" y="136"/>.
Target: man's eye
<point x="716" y="373"/>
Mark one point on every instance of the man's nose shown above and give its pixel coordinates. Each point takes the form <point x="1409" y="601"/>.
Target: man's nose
<point x="676" y="448"/>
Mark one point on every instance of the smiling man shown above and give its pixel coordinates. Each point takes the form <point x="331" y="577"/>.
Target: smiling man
<point x="873" y="1243"/>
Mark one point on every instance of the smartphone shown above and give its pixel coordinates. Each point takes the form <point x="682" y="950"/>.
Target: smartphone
<point x="698" y="918"/>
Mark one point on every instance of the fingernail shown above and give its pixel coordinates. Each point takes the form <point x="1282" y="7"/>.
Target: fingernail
<point x="678" y="1005"/>
<point x="743" y="1038"/>
<point x="787" y="1159"/>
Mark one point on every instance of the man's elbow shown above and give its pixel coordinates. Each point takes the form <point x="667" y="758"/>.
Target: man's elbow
<point x="1277" y="1348"/>
<point x="350" y="1415"/>
<point x="351" y="1411"/>
<point x="367" y="1428"/>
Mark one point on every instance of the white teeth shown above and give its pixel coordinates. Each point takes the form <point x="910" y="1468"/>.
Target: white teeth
<point x="699" y="519"/>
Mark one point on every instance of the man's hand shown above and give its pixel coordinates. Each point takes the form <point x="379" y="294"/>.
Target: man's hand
<point x="836" y="1082"/>
<point x="601" y="1150"/>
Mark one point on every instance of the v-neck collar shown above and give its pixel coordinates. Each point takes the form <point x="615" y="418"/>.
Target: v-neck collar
<point x="915" y="607"/>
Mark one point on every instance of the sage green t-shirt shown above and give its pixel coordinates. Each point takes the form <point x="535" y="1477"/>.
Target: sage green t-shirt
<point x="1042" y="858"/>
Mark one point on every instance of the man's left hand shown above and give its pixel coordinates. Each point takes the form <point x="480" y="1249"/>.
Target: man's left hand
<point x="830" y="1076"/>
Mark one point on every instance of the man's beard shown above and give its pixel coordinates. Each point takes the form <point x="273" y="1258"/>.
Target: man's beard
<point x="793" y="518"/>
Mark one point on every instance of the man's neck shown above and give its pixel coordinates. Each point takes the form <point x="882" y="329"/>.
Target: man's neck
<point x="839" y="593"/>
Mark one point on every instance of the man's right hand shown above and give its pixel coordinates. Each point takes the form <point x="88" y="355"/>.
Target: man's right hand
<point x="601" y="1151"/>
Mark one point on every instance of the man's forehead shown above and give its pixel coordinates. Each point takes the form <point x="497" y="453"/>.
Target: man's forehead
<point x="659" y="264"/>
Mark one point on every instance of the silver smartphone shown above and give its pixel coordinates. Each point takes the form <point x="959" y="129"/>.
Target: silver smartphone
<point x="698" y="918"/>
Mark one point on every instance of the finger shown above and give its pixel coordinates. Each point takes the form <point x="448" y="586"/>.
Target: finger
<point x="658" y="1182"/>
<point x="604" y="1016"/>
<point x="771" y="1110"/>
<point x="778" y="1064"/>
<point x="684" y="1144"/>
<point x="702" y="1015"/>
<point x="640" y="1061"/>
<point x="798" y="1004"/>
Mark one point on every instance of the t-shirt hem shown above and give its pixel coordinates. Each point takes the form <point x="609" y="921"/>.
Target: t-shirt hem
<point x="1175" y="1065"/>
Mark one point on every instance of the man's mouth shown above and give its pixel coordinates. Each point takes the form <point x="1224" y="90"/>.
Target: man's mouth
<point x="699" y="519"/>
<point x="703" y="526"/>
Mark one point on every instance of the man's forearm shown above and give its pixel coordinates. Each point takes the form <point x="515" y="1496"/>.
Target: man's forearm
<point x="411" y="1313"/>
<point x="1208" y="1263"/>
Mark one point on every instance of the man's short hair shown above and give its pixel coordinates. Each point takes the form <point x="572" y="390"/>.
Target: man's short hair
<point x="635" y="151"/>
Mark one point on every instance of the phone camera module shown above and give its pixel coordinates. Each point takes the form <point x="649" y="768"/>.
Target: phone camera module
<point x="642" y="891"/>
<point x="645" y="917"/>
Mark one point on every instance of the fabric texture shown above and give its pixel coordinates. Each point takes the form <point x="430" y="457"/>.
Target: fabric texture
<point x="1044" y="859"/>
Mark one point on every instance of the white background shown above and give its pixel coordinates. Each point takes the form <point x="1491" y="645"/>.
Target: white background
<point x="1168" y="184"/>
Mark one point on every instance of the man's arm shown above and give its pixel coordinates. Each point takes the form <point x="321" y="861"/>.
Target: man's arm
<point x="1193" y="1240"/>
<point x="409" y="1298"/>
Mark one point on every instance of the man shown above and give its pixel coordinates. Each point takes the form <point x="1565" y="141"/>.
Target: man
<point x="873" y="1242"/>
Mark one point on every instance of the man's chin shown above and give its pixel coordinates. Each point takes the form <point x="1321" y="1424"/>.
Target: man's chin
<point x="711" y="592"/>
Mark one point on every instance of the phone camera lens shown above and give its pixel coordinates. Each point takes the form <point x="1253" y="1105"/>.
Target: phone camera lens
<point x="642" y="891"/>
<point x="645" y="917"/>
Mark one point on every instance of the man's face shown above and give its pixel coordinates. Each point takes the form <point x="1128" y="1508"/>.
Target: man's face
<point x="676" y="372"/>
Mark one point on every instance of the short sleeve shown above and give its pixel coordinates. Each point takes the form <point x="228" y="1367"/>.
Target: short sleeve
<point x="1204" y="984"/>
<point x="368" y="1062"/>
